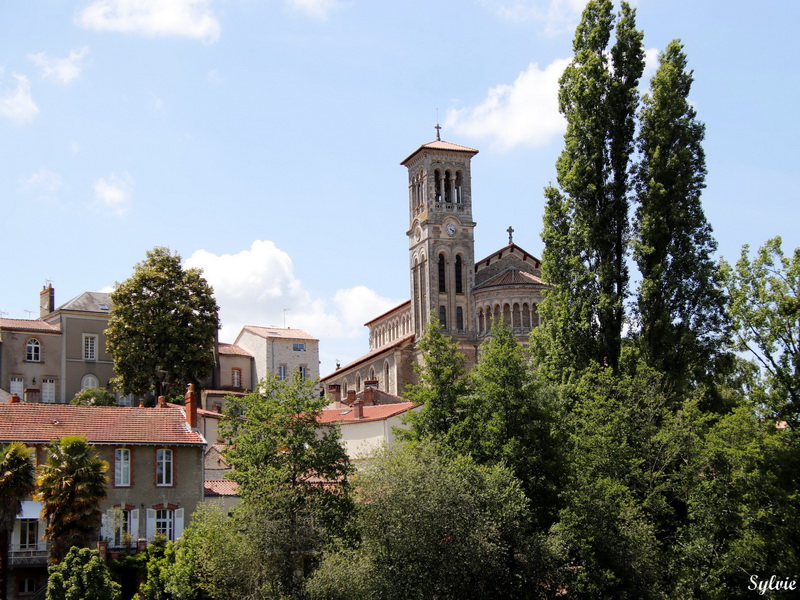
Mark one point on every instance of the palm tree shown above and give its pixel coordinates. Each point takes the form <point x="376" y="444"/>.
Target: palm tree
<point x="71" y="484"/>
<point x="17" y="481"/>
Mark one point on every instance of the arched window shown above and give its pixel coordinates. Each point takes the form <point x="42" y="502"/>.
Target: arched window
<point x="358" y="383"/>
<point x="437" y="183"/>
<point x="442" y="275"/>
<point x="458" y="187"/>
<point x="386" y="376"/>
<point x="448" y="185"/>
<point x="459" y="276"/>
<point x="443" y="317"/>
<point x="89" y="382"/>
<point x="33" y="350"/>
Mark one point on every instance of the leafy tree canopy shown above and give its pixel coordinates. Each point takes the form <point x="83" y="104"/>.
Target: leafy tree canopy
<point x="162" y="327"/>
<point x="17" y="481"/>
<point x="81" y="575"/>
<point x="94" y="397"/>
<point x="765" y="312"/>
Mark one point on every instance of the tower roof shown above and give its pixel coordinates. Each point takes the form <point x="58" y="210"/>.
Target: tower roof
<point x="440" y="145"/>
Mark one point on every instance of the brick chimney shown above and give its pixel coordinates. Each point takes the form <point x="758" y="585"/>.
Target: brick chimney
<point x="335" y="394"/>
<point x="15" y="399"/>
<point x="370" y="385"/>
<point x="351" y="397"/>
<point x="47" y="300"/>
<point x="358" y="409"/>
<point x="190" y="407"/>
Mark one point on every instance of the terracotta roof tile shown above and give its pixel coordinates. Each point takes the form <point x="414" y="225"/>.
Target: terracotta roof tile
<point x="36" y="423"/>
<point x="220" y="487"/>
<point x="28" y="325"/>
<point x="440" y="145"/>
<point x="511" y="277"/>
<point x="277" y="332"/>
<point x="233" y="350"/>
<point x="371" y="413"/>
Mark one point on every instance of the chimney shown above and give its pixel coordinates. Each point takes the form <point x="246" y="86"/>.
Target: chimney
<point x="358" y="410"/>
<point x="351" y="397"/>
<point x="190" y="400"/>
<point x="15" y="399"/>
<point x="335" y="394"/>
<point x="370" y="385"/>
<point x="162" y="402"/>
<point x="47" y="300"/>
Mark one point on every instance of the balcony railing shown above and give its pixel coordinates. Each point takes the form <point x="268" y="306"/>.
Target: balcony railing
<point x="28" y="555"/>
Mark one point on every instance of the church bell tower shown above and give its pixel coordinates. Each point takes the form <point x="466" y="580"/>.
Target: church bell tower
<point x="440" y="237"/>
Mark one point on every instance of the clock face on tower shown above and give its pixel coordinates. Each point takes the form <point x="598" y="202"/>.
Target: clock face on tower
<point x="451" y="229"/>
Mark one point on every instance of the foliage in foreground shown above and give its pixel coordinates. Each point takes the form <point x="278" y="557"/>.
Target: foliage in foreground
<point x="432" y="524"/>
<point x="83" y="574"/>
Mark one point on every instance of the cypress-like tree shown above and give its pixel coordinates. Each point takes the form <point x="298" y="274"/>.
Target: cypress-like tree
<point x="680" y="304"/>
<point x="586" y="223"/>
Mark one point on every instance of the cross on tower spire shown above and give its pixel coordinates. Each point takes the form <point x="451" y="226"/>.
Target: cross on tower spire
<point x="438" y="128"/>
<point x="510" y="231"/>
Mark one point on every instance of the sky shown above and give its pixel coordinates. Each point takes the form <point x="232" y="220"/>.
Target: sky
<point x="261" y="139"/>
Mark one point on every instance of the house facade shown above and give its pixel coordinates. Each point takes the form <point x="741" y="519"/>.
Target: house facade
<point x="155" y="475"/>
<point x="279" y="352"/>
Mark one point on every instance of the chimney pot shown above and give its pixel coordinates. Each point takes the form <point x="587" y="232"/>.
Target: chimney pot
<point x="358" y="410"/>
<point x="15" y="399"/>
<point x="351" y="397"/>
<point x="191" y="406"/>
<point x="335" y="394"/>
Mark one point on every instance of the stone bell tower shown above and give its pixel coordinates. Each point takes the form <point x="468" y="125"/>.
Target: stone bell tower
<point x="441" y="241"/>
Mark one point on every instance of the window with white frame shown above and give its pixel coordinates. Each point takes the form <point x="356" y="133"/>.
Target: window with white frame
<point x="89" y="382"/>
<point x="28" y="534"/>
<point x="17" y="386"/>
<point x="298" y="347"/>
<point x="48" y="390"/>
<point x="281" y="372"/>
<point x="33" y="350"/>
<point x="165" y="523"/>
<point x="122" y="467"/>
<point x="122" y="529"/>
<point x="89" y="346"/>
<point x="236" y="377"/>
<point x="303" y="371"/>
<point x="164" y="467"/>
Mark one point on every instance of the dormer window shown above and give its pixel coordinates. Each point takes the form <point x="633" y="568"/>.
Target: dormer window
<point x="33" y="350"/>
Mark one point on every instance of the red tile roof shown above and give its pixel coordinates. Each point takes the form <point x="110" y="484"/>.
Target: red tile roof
<point x="220" y="487"/>
<point x="440" y="145"/>
<point x="277" y="332"/>
<point x="233" y="350"/>
<point x="512" y="277"/>
<point x="371" y="413"/>
<point x="37" y="423"/>
<point x="28" y="325"/>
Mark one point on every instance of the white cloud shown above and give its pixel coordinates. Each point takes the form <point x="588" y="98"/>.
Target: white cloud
<point x="255" y="286"/>
<point x="114" y="192"/>
<point x="17" y="104"/>
<point x="318" y="9"/>
<point x="557" y="15"/>
<point x="182" y="18"/>
<point x="43" y="183"/>
<point x="650" y="63"/>
<point x="63" y="70"/>
<point x="524" y="113"/>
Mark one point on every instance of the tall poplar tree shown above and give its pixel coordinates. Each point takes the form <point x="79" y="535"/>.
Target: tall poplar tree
<point x="680" y="304"/>
<point x="586" y="223"/>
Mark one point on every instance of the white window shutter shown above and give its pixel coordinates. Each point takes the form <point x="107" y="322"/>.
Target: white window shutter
<point x="134" y="524"/>
<point x="178" y="523"/>
<point x="151" y="524"/>
<point x="106" y="525"/>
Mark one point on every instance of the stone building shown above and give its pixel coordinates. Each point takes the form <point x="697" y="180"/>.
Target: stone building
<point x="444" y="277"/>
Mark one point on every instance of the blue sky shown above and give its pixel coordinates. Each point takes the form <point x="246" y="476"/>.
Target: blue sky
<point x="261" y="139"/>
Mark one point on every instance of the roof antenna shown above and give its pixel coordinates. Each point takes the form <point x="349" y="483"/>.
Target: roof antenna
<point x="285" y="310"/>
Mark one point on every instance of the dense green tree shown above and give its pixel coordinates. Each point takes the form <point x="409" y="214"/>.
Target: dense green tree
<point x="170" y="572"/>
<point x="17" y="481"/>
<point x="441" y="384"/>
<point x="765" y="313"/>
<point x="680" y="303"/>
<point x="742" y="514"/>
<point x="510" y="417"/>
<point x="71" y="483"/>
<point x="293" y="475"/>
<point x="83" y="574"/>
<point x="622" y="498"/>
<point x="586" y="221"/>
<point x="163" y="326"/>
<point x="94" y="397"/>
<point x="432" y="524"/>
